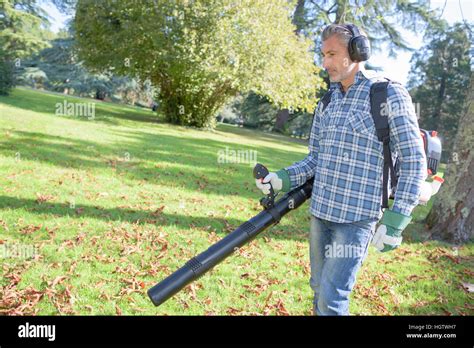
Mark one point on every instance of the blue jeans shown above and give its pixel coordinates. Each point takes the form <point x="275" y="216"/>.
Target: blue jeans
<point x="337" y="251"/>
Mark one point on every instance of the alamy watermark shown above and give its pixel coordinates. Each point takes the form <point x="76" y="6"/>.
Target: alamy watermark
<point x="237" y="156"/>
<point x="396" y="108"/>
<point x="18" y="251"/>
<point x="37" y="331"/>
<point x="335" y="250"/>
<point x="75" y="109"/>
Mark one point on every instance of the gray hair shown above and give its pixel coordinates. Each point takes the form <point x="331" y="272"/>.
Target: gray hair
<point x="341" y="31"/>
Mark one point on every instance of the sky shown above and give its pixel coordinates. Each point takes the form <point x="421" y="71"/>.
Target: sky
<point x="396" y="69"/>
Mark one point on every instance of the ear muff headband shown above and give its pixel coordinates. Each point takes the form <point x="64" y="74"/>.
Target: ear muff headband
<point x="359" y="47"/>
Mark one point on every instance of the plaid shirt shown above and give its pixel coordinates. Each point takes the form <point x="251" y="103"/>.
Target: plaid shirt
<point x="346" y="158"/>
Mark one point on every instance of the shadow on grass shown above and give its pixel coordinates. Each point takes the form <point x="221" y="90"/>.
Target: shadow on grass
<point x="251" y="134"/>
<point x="133" y="216"/>
<point x="189" y="163"/>
<point x="157" y="158"/>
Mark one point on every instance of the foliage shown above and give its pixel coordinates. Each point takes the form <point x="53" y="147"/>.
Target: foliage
<point x="201" y="53"/>
<point x="23" y="31"/>
<point x="57" y="68"/>
<point x="380" y="19"/>
<point x="439" y="80"/>
<point x="23" y="27"/>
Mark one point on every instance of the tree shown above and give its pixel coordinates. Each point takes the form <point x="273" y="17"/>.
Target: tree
<point x="452" y="215"/>
<point x="57" y="68"/>
<point x="298" y="20"/>
<point x="201" y="53"/>
<point x="439" y="80"/>
<point x="51" y="67"/>
<point x="255" y="111"/>
<point x="23" y="27"/>
<point x="380" y="19"/>
<point x="21" y="34"/>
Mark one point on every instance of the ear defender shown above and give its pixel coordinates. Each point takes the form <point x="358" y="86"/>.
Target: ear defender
<point x="359" y="46"/>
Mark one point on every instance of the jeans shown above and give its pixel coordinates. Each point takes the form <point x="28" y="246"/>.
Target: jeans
<point x="337" y="251"/>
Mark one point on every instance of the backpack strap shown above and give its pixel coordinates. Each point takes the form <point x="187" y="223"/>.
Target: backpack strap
<point x="323" y="103"/>
<point x="326" y="99"/>
<point x="380" y="111"/>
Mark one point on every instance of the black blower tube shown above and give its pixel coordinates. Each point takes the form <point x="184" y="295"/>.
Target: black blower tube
<point x="217" y="252"/>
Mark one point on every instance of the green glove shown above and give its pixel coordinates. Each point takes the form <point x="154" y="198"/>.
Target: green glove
<point x="389" y="234"/>
<point x="285" y="178"/>
<point x="280" y="181"/>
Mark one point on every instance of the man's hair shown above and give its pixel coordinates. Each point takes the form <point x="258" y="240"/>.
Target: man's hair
<point x="341" y="31"/>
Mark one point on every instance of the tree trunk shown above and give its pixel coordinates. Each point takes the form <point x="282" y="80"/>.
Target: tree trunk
<point x="299" y="22"/>
<point x="452" y="216"/>
<point x="440" y="100"/>
<point x="282" y="117"/>
<point x="340" y="12"/>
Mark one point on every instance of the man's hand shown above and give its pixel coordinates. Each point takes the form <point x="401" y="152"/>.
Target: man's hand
<point x="389" y="234"/>
<point x="271" y="178"/>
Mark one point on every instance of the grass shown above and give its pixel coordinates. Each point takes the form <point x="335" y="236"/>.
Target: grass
<point x="114" y="204"/>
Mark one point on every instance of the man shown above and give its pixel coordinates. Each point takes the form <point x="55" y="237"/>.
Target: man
<point x="346" y="160"/>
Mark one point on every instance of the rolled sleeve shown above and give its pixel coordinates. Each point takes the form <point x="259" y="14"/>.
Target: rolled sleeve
<point x="406" y="142"/>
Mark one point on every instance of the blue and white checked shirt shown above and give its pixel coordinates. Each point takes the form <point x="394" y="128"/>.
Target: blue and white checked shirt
<point x="346" y="158"/>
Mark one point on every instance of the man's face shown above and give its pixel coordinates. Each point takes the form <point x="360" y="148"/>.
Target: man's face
<point x="336" y="59"/>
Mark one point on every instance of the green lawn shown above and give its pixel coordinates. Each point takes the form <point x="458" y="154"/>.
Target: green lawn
<point x="114" y="204"/>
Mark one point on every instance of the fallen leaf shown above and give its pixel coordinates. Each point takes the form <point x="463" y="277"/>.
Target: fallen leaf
<point x="43" y="198"/>
<point x="29" y="229"/>
<point x="57" y="281"/>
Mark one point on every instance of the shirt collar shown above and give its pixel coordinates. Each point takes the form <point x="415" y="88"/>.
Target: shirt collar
<point x="359" y="76"/>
